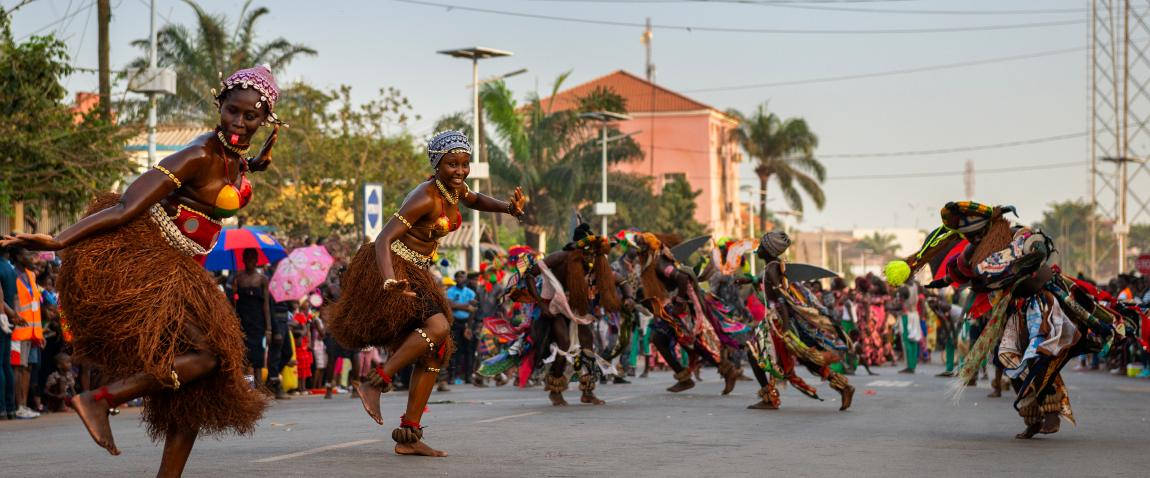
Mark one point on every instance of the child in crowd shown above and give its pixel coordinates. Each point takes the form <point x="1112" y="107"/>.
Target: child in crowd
<point x="60" y="386"/>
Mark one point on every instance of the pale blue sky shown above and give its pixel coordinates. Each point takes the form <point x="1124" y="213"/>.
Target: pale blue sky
<point x="373" y="44"/>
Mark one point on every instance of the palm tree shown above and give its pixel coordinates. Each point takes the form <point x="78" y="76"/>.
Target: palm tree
<point x="784" y="150"/>
<point x="882" y="245"/>
<point x="200" y="57"/>
<point x="553" y="155"/>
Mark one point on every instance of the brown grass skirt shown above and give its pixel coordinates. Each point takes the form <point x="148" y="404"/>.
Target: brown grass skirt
<point x="134" y="304"/>
<point x="366" y="315"/>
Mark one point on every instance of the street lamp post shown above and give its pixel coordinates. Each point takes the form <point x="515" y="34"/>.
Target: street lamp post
<point x="604" y="208"/>
<point x="479" y="170"/>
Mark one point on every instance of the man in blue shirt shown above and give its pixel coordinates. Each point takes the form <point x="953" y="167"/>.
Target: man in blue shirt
<point x="463" y="304"/>
<point x="8" y="285"/>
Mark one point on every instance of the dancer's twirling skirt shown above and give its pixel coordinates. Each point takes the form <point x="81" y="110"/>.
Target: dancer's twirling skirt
<point x="134" y="303"/>
<point x="367" y="315"/>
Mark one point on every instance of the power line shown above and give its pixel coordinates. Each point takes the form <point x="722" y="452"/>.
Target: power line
<point x="933" y="174"/>
<point x="828" y="6"/>
<point x="958" y="149"/>
<point x="57" y="22"/>
<point x="901" y="71"/>
<point x="691" y="29"/>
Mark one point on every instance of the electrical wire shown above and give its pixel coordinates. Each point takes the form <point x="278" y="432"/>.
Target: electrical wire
<point x="831" y="6"/>
<point x="901" y="71"/>
<point x="57" y="22"/>
<point x="959" y="149"/>
<point x="691" y="29"/>
<point x="933" y="174"/>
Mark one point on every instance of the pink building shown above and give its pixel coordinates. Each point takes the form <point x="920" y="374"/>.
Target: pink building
<point x="679" y="137"/>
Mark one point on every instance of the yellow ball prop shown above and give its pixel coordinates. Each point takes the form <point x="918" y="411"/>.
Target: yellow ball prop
<point x="896" y="272"/>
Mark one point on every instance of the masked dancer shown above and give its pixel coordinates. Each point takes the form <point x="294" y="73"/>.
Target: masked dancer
<point x="671" y="292"/>
<point x="797" y="329"/>
<point x="1037" y="320"/>
<point x="391" y="299"/>
<point x="140" y="306"/>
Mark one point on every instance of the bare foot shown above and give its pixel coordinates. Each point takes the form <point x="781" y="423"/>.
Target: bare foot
<point x="369" y="397"/>
<point x="591" y="398"/>
<point x="418" y="448"/>
<point x="557" y="399"/>
<point x="94" y="414"/>
<point x="681" y="386"/>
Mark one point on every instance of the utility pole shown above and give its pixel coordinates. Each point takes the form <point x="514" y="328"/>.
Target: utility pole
<point x="103" y="19"/>
<point x="1093" y="140"/>
<point x="1123" y="227"/>
<point x="648" y="36"/>
<point x="152" y="96"/>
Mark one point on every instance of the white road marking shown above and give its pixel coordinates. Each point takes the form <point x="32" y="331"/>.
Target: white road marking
<point x="620" y="399"/>
<point x="890" y="383"/>
<point x="508" y="417"/>
<point x="315" y="450"/>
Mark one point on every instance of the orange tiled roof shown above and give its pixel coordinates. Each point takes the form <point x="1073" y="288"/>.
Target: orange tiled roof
<point x="637" y="92"/>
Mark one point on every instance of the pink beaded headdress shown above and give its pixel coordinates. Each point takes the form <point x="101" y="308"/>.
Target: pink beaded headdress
<point x="259" y="78"/>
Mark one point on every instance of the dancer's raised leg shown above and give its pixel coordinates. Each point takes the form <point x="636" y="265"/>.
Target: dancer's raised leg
<point x="93" y="406"/>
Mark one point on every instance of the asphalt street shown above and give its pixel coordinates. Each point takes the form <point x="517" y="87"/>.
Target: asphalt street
<point x="900" y="425"/>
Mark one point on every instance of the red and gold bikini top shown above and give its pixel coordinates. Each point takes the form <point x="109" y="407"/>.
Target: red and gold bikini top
<point x="231" y="198"/>
<point x="443" y="225"/>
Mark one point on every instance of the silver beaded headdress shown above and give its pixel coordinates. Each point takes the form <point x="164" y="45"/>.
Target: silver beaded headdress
<point x="444" y="142"/>
<point x="258" y="78"/>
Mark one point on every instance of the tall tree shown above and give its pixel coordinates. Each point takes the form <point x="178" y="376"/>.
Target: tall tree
<point x="335" y="147"/>
<point x="201" y="55"/>
<point x="880" y="244"/>
<point x="47" y="155"/>
<point x="553" y="155"/>
<point x="783" y="150"/>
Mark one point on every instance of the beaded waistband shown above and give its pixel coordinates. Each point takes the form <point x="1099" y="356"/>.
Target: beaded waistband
<point x="406" y="253"/>
<point x="172" y="233"/>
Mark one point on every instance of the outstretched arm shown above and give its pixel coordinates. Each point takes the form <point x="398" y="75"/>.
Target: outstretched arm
<point x="414" y="208"/>
<point x="148" y="189"/>
<point x="481" y="202"/>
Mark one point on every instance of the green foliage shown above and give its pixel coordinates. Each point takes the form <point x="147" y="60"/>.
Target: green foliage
<point x="201" y="55"/>
<point x="884" y="245"/>
<point x="677" y="209"/>
<point x="332" y="148"/>
<point x="784" y="150"/>
<point x="46" y="156"/>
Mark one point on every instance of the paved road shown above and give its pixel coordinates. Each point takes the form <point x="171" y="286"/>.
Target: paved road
<point x="900" y="425"/>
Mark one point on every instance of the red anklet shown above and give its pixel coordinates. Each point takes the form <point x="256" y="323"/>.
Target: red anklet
<point x="404" y="422"/>
<point x="386" y="378"/>
<point x="103" y="394"/>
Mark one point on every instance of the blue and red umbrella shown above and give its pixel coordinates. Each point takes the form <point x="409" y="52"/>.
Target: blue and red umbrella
<point x="228" y="253"/>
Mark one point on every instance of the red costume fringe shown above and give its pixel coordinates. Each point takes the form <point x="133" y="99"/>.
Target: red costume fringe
<point x="134" y="304"/>
<point x="366" y="315"/>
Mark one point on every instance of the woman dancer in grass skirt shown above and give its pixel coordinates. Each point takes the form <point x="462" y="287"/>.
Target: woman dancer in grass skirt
<point x="141" y="308"/>
<point x="390" y="298"/>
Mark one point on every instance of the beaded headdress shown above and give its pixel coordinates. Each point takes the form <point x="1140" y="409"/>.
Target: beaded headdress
<point x="258" y="78"/>
<point x="445" y="142"/>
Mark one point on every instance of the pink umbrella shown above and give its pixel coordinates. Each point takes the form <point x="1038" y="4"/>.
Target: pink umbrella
<point x="303" y="270"/>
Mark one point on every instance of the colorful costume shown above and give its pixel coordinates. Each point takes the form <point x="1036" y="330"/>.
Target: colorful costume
<point x="797" y="329"/>
<point x="1036" y="318"/>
